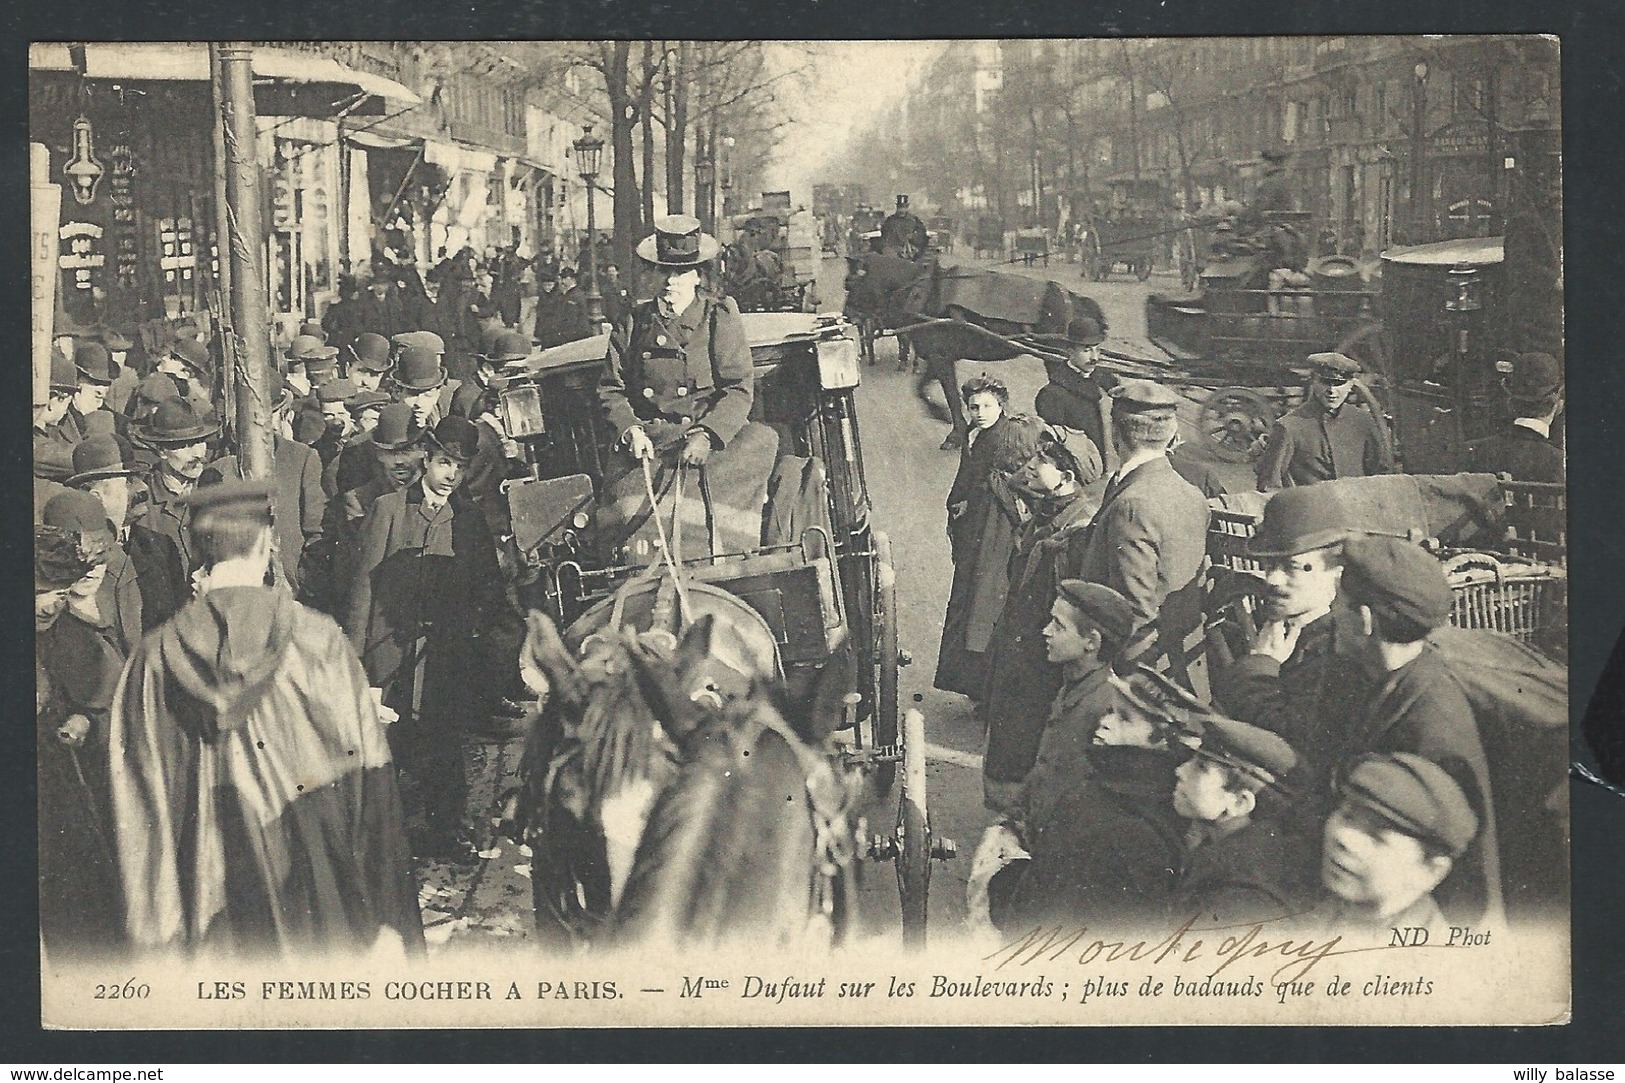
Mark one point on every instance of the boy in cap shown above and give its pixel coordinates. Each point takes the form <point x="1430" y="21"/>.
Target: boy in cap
<point x="1149" y="538"/>
<point x="227" y="772"/>
<point x="1523" y="447"/>
<point x="1326" y="437"/>
<point x="1106" y="851"/>
<point x="425" y="589"/>
<point x="1243" y="863"/>
<point x="1400" y="826"/>
<point x="77" y="665"/>
<point x="1394" y="692"/>
<point x="1277" y="682"/>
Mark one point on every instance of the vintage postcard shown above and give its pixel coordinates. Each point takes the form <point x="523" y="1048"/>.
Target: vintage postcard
<point x="537" y="533"/>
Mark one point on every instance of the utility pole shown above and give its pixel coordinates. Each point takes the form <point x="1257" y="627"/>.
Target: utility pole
<point x="248" y="347"/>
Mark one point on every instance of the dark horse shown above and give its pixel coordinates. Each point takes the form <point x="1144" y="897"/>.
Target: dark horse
<point x="670" y="792"/>
<point x="952" y="311"/>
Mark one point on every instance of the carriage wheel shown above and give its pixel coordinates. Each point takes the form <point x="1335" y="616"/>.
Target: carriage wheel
<point x="884" y="718"/>
<point x="1235" y="422"/>
<point x="913" y="835"/>
<point x="866" y="339"/>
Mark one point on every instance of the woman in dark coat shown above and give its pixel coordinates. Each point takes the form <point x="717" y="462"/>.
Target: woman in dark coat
<point x="984" y="516"/>
<point x="1022" y="683"/>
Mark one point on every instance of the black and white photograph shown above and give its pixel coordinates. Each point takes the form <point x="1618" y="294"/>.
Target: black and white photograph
<point x="757" y="532"/>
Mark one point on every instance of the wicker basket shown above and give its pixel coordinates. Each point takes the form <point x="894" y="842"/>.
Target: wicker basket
<point x="1522" y="598"/>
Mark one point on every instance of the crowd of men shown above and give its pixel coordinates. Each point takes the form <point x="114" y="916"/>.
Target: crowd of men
<point x="1334" y="772"/>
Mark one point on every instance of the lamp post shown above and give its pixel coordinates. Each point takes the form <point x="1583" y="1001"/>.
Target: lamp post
<point x="1419" y="114"/>
<point x="727" y="175"/>
<point x="706" y="204"/>
<point x="589" y="155"/>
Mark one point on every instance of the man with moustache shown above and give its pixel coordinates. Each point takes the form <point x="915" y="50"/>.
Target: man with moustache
<point x="102" y="471"/>
<point x="1326" y="437"/>
<point x="88" y="412"/>
<point x="179" y="435"/>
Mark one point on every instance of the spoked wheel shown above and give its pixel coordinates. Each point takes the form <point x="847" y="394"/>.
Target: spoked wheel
<point x="914" y="841"/>
<point x="1235" y="422"/>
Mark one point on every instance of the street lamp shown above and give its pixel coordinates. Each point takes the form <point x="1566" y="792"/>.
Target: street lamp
<point x="705" y="175"/>
<point x="589" y="155"/>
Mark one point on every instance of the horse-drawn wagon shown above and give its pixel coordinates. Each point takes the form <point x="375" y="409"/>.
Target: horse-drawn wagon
<point x="770" y="259"/>
<point x="1130" y="229"/>
<point x="779" y="621"/>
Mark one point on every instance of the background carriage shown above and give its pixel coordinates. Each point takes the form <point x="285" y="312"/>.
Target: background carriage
<point x="1132" y="229"/>
<point x="793" y="239"/>
<point x="819" y="579"/>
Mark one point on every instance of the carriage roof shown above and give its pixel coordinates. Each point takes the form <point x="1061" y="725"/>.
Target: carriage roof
<point x="1463" y="252"/>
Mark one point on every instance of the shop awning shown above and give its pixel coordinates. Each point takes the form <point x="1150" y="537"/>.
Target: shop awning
<point x="189" y="61"/>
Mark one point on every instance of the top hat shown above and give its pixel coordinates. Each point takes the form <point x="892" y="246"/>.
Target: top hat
<point x="97" y="457"/>
<point x="902" y="200"/>
<point x="1301" y="519"/>
<point x="678" y="242"/>
<point x="419" y="369"/>
<point x="371" y="352"/>
<point x="177" y="421"/>
<point x="1415" y="795"/>
<point x="310" y="348"/>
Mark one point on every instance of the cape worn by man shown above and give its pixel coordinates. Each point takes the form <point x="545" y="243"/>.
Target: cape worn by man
<point x="255" y="806"/>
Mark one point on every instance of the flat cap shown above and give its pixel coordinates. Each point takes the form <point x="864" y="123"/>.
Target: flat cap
<point x="310" y="348"/>
<point x="338" y="391"/>
<point x="1334" y="367"/>
<point x="1530" y="375"/>
<point x="245" y="497"/>
<point x="1144" y="397"/>
<point x="195" y="354"/>
<point x="1248" y="748"/>
<point x="1416" y="796"/>
<point x="1301" y="519"/>
<point x="367" y="400"/>
<point x="1106" y="609"/>
<point x="1397" y="577"/>
<point x="427" y="340"/>
<point x="157" y="387"/>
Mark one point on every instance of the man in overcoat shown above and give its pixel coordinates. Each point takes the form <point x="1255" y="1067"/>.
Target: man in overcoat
<point x="1522" y="447"/>
<point x="1327" y="437"/>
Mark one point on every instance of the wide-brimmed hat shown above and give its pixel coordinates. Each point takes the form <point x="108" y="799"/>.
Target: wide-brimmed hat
<point x="678" y="242"/>
<point x="195" y="355"/>
<point x="456" y="436"/>
<point x="419" y="369"/>
<point x="1300" y="520"/>
<point x="371" y="352"/>
<point x="177" y="421"/>
<point x="305" y="348"/>
<point x="397" y="428"/>
<point x="94" y="364"/>
<point x="103" y="455"/>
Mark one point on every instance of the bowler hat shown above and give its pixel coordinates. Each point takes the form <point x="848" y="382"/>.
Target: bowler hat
<point x="1531" y="375"/>
<point x="1300" y="520"/>
<point x="58" y="561"/>
<point x="419" y="369"/>
<point x="1085" y="331"/>
<point x="427" y="340"/>
<point x="101" y="456"/>
<point x="82" y="515"/>
<point x="1415" y="795"/>
<point x="1144" y="397"/>
<point x="397" y="428"/>
<point x="246" y="498"/>
<point x="157" y="387"/>
<point x="1396" y="577"/>
<point x="1102" y="606"/>
<point x="94" y="364"/>
<point x="456" y="436"/>
<point x="114" y="340"/>
<point x="678" y="242"/>
<point x="64" y="376"/>
<point x="371" y="352"/>
<point x="1247" y="748"/>
<point x="177" y="421"/>
<point x="1333" y="367"/>
<point x="313" y="329"/>
<point x="507" y="346"/>
<point x="306" y="348"/>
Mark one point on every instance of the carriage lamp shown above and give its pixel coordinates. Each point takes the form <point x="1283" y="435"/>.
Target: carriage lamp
<point x="83" y="170"/>
<point x="522" y="411"/>
<point x="1464" y="284"/>
<point x="838" y="363"/>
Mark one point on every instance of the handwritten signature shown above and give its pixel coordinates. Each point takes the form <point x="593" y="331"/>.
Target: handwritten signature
<point x="1223" y="945"/>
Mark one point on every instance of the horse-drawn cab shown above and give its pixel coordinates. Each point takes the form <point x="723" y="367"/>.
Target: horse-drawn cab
<point x="770" y="258"/>
<point x="1129" y="229"/>
<point x="795" y="584"/>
